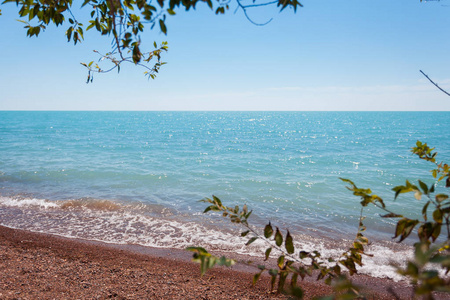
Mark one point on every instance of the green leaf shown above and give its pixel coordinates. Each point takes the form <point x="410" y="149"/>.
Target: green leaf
<point x="432" y="188"/>
<point x="434" y="172"/>
<point x="91" y="25"/>
<point x="268" y="231"/>
<point x="363" y="240"/>
<point x="251" y="240"/>
<point x="397" y="191"/>
<point x="220" y="10"/>
<point x="400" y="227"/>
<point x="436" y="231"/>
<point x="223" y="261"/>
<point x="281" y="261"/>
<point x="281" y="281"/>
<point x="424" y="187"/>
<point x="412" y="269"/>
<point x="404" y="189"/>
<point x="278" y="238"/>
<point x="75" y="37"/>
<point x="97" y="25"/>
<point x="391" y="215"/>
<point x="206" y="260"/>
<point x="441" y="197"/>
<point x="289" y="243"/>
<point x="162" y="26"/>
<point x="337" y="269"/>
<point x="424" y="232"/>
<point x="410" y="224"/>
<point x="303" y="254"/>
<point x="273" y="272"/>
<point x="347" y="180"/>
<point x="294" y="279"/>
<point x="256" y="277"/>
<point x="350" y="265"/>
<point x="80" y="31"/>
<point x="297" y="292"/>
<point x="69" y="33"/>
<point x="208" y="208"/>
<point x="217" y="200"/>
<point x="197" y="249"/>
<point x="245" y="233"/>
<point x="424" y="211"/>
<point x="272" y="280"/>
<point x="267" y="253"/>
<point x="437" y="216"/>
<point x="441" y="259"/>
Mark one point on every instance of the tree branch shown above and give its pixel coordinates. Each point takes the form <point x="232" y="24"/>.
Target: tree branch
<point x="435" y="84"/>
<point x="244" y="9"/>
<point x="261" y="4"/>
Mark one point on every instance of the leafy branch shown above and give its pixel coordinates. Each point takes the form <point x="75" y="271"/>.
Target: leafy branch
<point x="151" y="71"/>
<point x="289" y="261"/>
<point x="122" y="20"/>
<point x="425" y="278"/>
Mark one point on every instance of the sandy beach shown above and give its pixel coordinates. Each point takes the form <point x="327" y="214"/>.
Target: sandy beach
<point x="42" y="266"/>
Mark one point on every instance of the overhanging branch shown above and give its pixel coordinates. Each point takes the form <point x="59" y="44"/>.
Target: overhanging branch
<point x="244" y="9"/>
<point x="435" y="84"/>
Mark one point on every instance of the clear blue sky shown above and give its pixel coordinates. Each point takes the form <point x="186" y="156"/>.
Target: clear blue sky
<point x="330" y="55"/>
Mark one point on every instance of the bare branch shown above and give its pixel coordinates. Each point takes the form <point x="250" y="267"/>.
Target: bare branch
<point x="261" y="4"/>
<point x="435" y="84"/>
<point x="244" y="9"/>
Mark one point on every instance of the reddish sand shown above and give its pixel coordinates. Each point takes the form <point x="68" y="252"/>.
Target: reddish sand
<point x="41" y="266"/>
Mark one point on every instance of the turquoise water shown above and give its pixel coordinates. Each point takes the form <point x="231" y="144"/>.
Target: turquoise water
<point x="136" y="177"/>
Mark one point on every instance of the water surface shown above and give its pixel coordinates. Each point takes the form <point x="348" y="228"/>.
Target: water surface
<point x="136" y="177"/>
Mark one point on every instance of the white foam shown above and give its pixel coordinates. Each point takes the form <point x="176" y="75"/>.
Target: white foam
<point x="21" y="202"/>
<point x="381" y="264"/>
<point x="130" y="227"/>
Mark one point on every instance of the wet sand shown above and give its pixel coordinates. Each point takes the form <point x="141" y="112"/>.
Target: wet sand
<point x="42" y="266"/>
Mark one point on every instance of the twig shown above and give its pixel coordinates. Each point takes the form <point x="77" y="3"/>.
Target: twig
<point x="435" y="84"/>
<point x="261" y="4"/>
<point x="244" y="9"/>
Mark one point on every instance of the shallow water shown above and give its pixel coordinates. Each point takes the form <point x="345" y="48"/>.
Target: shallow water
<point x="136" y="177"/>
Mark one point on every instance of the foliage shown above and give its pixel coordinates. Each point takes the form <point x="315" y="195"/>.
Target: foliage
<point x="423" y="270"/>
<point x="291" y="263"/>
<point x="428" y="230"/>
<point x="429" y="257"/>
<point x="207" y="261"/>
<point x="146" y="57"/>
<point x="124" y="21"/>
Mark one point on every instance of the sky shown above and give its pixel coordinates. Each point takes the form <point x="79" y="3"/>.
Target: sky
<point x="330" y="55"/>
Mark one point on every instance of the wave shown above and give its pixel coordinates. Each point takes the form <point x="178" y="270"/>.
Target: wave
<point x="111" y="221"/>
<point x="92" y="204"/>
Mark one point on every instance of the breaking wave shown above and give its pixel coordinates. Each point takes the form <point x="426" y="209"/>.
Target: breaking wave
<point x="111" y="221"/>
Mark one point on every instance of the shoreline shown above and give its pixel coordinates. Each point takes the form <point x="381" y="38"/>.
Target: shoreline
<point x="38" y="265"/>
